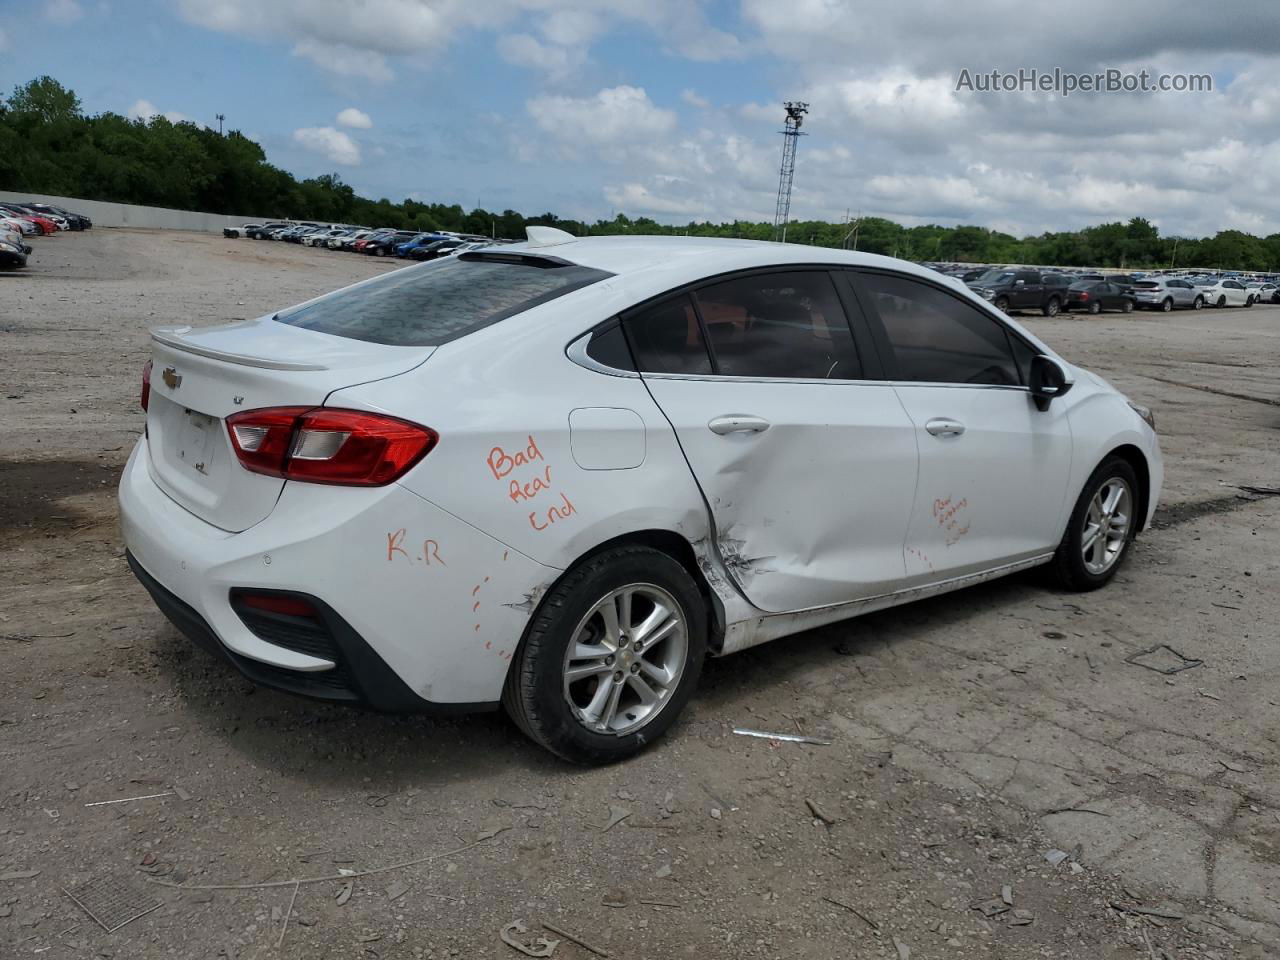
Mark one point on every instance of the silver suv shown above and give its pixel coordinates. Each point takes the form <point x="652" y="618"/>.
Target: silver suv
<point x="1165" y="293"/>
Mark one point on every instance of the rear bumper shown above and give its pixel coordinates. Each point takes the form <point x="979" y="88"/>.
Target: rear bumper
<point x="420" y="610"/>
<point x="359" y="676"/>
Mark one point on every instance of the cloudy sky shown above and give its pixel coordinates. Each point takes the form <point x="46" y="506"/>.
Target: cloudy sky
<point x="670" y="108"/>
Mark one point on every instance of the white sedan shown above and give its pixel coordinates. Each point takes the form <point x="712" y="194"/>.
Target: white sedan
<point x="1226" y="293"/>
<point x="559" y="474"/>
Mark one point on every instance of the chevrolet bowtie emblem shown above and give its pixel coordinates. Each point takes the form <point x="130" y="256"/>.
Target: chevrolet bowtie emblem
<point x="172" y="379"/>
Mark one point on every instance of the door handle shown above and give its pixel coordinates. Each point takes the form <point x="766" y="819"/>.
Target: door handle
<point x="738" y="423"/>
<point x="943" y="427"/>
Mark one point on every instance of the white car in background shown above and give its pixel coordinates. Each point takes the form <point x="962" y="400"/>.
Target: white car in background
<point x="22" y="227"/>
<point x="557" y="475"/>
<point x="1226" y="293"/>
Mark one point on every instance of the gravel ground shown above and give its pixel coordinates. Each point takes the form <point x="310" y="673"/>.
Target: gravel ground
<point x="970" y="734"/>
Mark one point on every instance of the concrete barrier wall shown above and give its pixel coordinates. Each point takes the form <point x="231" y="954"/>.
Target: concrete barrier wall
<point x="104" y="214"/>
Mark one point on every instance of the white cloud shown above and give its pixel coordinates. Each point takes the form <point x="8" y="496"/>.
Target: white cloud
<point x="361" y="39"/>
<point x="692" y="98"/>
<point x="146" y="110"/>
<point x="345" y="61"/>
<point x="63" y="11"/>
<point x="356" y="119"/>
<point x="523" y="50"/>
<point x="336" y="146"/>
<point x="614" y="116"/>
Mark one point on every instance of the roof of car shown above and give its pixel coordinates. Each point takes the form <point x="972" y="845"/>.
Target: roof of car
<point x="707" y="256"/>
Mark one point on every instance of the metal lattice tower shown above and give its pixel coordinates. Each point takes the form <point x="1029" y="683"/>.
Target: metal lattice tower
<point x="790" y="139"/>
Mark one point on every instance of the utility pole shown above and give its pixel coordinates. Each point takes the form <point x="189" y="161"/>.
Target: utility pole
<point x="786" y="174"/>
<point x="844" y="244"/>
<point x="1173" y="259"/>
<point x="220" y="117"/>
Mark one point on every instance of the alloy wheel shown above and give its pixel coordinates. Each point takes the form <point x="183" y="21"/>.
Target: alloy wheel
<point x="1106" y="526"/>
<point x="625" y="659"/>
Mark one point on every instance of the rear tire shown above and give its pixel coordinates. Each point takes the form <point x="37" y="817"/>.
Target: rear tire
<point x="539" y="694"/>
<point x="1222" y="302"/>
<point x="1070" y="567"/>
<point x="1167" y="304"/>
<point x="1095" y="307"/>
<point x="1051" y="308"/>
<point x="1199" y="304"/>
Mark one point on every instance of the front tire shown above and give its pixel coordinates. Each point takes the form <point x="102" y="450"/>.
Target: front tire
<point x="1167" y="304"/>
<point x="1002" y="304"/>
<point x="1095" y="307"/>
<point x="1102" y="526"/>
<point x="579" y="686"/>
<point x="1128" y="307"/>
<point x="1199" y="304"/>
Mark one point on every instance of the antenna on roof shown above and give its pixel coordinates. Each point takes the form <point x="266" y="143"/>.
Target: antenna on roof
<point x="547" y="236"/>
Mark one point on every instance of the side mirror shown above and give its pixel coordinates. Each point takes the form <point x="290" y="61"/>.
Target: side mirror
<point x="1049" y="380"/>
<point x="1019" y="283"/>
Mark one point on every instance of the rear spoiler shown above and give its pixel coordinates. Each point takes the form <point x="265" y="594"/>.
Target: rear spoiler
<point x="173" y="337"/>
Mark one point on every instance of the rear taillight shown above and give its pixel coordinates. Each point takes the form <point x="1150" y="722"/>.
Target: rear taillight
<point x="146" y="385"/>
<point x="1084" y="296"/>
<point x="319" y="445"/>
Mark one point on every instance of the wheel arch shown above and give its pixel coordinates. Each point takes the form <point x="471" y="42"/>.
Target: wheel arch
<point x="680" y="549"/>
<point x="1134" y="456"/>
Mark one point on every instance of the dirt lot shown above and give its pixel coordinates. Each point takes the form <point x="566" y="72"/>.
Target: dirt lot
<point x="970" y="734"/>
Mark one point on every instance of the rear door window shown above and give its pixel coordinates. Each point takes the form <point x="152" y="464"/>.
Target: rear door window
<point x="441" y="300"/>
<point x="779" y="324"/>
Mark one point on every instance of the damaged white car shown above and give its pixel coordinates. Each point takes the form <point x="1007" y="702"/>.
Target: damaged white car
<point x="558" y="475"/>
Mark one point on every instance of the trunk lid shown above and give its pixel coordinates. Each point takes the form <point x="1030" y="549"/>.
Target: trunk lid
<point x="201" y="376"/>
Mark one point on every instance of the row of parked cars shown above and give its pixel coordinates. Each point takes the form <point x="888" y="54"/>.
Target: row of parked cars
<point x="1051" y="291"/>
<point x="385" y="242"/>
<point x="18" y="221"/>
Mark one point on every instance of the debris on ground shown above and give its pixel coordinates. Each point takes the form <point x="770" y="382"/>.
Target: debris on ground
<point x="1162" y="658"/>
<point x="515" y="934"/>
<point x="788" y="737"/>
<point x="578" y="940"/>
<point x="111" y="903"/>
<point x="818" y="812"/>
<point x="904" y="952"/>
<point x="616" y="816"/>
<point x="855" y="911"/>
<point x="1055" y="857"/>
<point x="1021" y="918"/>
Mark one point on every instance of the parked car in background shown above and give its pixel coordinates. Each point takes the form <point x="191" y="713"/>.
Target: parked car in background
<point x="385" y="245"/>
<point x="1094" y="296"/>
<point x="13" y="251"/>
<point x="241" y="231"/>
<point x="1268" y="292"/>
<point x="437" y="248"/>
<point x="23" y="226"/>
<point x="420" y="240"/>
<point x="1225" y="293"/>
<point x="263" y="231"/>
<point x="45" y="225"/>
<point x="75" y="221"/>
<point x="1011" y="290"/>
<point x="1167" y="293"/>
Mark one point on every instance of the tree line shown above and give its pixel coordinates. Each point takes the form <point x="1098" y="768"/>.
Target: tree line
<point x="49" y="145"/>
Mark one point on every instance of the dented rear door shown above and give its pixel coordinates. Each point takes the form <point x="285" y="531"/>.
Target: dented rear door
<point x="809" y="479"/>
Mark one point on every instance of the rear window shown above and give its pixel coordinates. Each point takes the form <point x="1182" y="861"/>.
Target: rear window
<point x="441" y="300"/>
<point x="1146" y="285"/>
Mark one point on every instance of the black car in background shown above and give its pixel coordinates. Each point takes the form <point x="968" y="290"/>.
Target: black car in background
<point x="1094" y="296"/>
<point x="385" y="245"/>
<point x="438" y="248"/>
<point x="262" y="230"/>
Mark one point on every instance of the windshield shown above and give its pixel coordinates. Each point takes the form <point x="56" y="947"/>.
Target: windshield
<point x="441" y="300"/>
